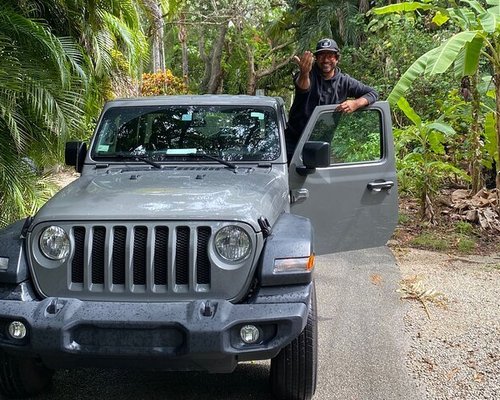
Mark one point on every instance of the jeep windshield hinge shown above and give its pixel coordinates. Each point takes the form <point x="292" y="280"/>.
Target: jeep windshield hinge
<point x="26" y="226"/>
<point x="265" y="226"/>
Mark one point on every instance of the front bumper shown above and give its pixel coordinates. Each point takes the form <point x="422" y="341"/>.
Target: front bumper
<point x="195" y="335"/>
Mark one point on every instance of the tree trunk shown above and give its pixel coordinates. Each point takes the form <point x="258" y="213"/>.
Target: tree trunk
<point x="252" y="85"/>
<point x="206" y="60"/>
<point x="475" y="164"/>
<point x="497" y="120"/>
<point x="213" y="71"/>
<point x="156" y="19"/>
<point x="364" y="6"/>
<point x="215" y="60"/>
<point x="254" y="76"/>
<point x="341" y="23"/>
<point x="183" y="41"/>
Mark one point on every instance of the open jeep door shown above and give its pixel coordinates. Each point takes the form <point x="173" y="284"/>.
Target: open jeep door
<point x="345" y="180"/>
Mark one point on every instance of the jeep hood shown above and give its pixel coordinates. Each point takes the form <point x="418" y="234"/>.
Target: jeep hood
<point x="215" y="194"/>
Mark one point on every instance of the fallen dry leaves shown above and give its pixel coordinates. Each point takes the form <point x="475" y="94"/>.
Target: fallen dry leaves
<point x="376" y="279"/>
<point x="413" y="288"/>
<point x="482" y="208"/>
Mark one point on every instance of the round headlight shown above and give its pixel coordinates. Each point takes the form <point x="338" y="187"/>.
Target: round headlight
<point x="54" y="243"/>
<point x="232" y="243"/>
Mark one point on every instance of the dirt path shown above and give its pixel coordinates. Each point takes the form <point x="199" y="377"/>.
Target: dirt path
<point x="455" y="337"/>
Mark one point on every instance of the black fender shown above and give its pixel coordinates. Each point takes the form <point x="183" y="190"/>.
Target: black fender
<point x="13" y="264"/>
<point x="292" y="236"/>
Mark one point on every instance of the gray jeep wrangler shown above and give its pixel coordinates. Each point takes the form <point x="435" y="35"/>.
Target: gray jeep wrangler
<point x="188" y="242"/>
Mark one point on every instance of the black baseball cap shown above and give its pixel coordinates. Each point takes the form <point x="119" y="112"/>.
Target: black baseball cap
<point x="327" y="45"/>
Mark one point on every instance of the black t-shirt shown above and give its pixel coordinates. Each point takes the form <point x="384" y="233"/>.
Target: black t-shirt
<point x="322" y="91"/>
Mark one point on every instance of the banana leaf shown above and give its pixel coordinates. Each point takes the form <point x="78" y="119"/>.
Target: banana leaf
<point x="490" y="20"/>
<point x="433" y="62"/>
<point x="467" y="62"/>
<point x="490" y="134"/>
<point x="402" y="7"/>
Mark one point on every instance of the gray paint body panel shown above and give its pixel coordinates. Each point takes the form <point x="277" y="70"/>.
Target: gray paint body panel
<point x="217" y="194"/>
<point x="346" y="215"/>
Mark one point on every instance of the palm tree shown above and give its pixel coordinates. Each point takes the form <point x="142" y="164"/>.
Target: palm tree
<point x="112" y="40"/>
<point x="154" y="12"/>
<point x="327" y="18"/>
<point x="60" y="60"/>
<point x="40" y="86"/>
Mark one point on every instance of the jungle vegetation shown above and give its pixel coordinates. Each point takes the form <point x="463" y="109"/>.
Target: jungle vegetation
<point x="436" y="61"/>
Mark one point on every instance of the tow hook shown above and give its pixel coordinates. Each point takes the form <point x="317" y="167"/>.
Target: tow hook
<point x="208" y="309"/>
<point x="54" y="307"/>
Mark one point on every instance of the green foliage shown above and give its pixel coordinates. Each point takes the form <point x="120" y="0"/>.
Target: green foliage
<point x="314" y="19"/>
<point x="392" y="43"/>
<point x="41" y="85"/>
<point x="57" y="67"/>
<point x="466" y="245"/>
<point x="433" y="62"/>
<point x="464" y="228"/>
<point x="478" y="38"/>
<point x="26" y="192"/>
<point x="357" y="138"/>
<point x="256" y="41"/>
<point x="465" y="240"/>
<point x="349" y="149"/>
<point x="162" y="83"/>
<point x="422" y="165"/>
<point x="403" y="219"/>
<point x="491" y="145"/>
<point x="462" y="49"/>
<point x="354" y="137"/>
<point x="430" y="241"/>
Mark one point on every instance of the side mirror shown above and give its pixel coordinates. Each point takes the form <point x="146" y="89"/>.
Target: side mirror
<point x="75" y="154"/>
<point x="314" y="155"/>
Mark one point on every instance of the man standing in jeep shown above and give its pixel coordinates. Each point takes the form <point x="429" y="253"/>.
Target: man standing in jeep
<point x="322" y="82"/>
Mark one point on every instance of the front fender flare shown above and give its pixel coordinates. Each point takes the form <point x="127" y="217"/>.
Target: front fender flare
<point x="13" y="264"/>
<point x="292" y="236"/>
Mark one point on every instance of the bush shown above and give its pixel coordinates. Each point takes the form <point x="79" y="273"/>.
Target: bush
<point x="162" y="83"/>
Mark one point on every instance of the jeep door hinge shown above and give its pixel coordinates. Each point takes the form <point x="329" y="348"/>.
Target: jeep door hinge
<point x="299" y="195"/>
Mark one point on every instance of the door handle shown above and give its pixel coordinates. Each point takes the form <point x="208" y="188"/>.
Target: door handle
<point x="378" y="186"/>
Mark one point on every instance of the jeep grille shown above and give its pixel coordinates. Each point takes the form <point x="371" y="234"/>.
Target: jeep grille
<point x="143" y="261"/>
<point x="155" y="274"/>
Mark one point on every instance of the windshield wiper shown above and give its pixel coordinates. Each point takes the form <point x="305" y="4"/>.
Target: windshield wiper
<point x="189" y="155"/>
<point x="137" y="157"/>
<point x="213" y="158"/>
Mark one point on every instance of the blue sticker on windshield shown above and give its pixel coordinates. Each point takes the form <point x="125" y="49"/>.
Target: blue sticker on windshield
<point x="258" y="115"/>
<point x="187" y="117"/>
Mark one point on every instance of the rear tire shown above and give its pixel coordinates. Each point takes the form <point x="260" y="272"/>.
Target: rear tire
<point x="22" y="377"/>
<point x="294" y="370"/>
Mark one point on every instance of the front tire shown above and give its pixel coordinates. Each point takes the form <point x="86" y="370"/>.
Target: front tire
<point x="294" y="369"/>
<point x="22" y="377"/>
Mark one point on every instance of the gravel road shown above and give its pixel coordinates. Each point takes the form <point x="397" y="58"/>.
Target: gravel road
<point x="455" y="350"/>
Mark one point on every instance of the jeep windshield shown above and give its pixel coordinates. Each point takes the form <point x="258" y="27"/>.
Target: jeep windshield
<point x="181" y="133"/>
